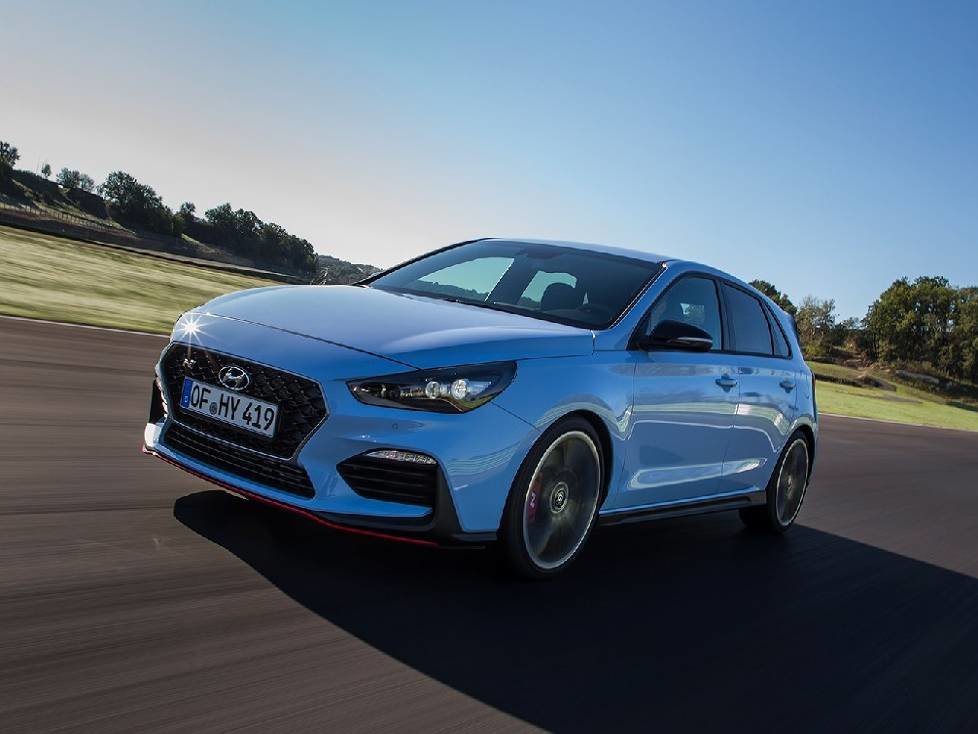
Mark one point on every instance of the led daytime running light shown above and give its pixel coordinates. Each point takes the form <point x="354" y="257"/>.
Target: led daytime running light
<point x="396" y="455"/>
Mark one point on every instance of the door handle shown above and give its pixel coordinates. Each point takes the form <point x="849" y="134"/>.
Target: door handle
<point x="787" y="385"/>
<point x="726" y="382"/>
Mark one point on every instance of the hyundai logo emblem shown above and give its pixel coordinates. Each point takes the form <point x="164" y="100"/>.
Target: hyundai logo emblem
<point x="233" y="377"/>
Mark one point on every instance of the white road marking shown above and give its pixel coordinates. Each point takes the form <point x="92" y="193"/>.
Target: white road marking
<point x="83" y="326"/>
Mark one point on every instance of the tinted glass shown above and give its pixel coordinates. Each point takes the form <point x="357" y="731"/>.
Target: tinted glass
<point x="563" y="284"/>
<point x="472" y="279"/>
<point x="692" y="301"/>
<point x="781" y="348"/>
<point x="747" y="321"/>
<point x="533" y="295"/>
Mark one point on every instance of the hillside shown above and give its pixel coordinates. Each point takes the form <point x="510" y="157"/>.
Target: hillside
<point x="30" y="201"/>
<point x="49" y="277"/>
<point x="333" y="271"/>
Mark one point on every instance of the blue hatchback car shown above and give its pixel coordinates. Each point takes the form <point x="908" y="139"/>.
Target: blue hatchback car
<point x="496" y="391"/>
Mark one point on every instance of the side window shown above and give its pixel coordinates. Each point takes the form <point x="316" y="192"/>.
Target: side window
<point x="693" y="301"/>
<point x="748" y="322"/>
<point x="473" y="279"/>
<point x="781" y="348"/>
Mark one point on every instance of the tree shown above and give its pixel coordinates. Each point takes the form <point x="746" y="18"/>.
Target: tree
<point x="67" y="178"/>
<point x="242" y="232"/>
<point x="928" y="322"/>
<point x="70" y="179"/>
<point x="187" y="211"/>
<point x="238" y="229"/>
<point x="963" y="354"/>
<point x="913" y="321"/>
<point x="46" y="170"/>
<point x="817" y="328"/>
<point x="8" y="156"/>
<point x="775" y="295"/>
<point x="136" y="203"/>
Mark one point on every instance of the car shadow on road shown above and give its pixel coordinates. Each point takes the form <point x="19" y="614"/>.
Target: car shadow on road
<point x="683" y="624"/>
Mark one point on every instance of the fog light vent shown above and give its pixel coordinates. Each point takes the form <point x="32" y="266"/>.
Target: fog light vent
<point x="393" y="476"/>
<point x="395" y="455"/>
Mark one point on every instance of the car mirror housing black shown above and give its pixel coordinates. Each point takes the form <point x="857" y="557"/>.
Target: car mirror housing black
<point x="677" y="335"/>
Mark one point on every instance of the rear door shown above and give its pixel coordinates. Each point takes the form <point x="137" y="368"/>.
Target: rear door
<point x="760" y="358"/>
<point x="683" y="406"/>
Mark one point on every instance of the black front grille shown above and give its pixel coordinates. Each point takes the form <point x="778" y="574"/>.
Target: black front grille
<point x="299" y="399"/>
<point x="407" y="482"/>
<point x="262" y="469"/>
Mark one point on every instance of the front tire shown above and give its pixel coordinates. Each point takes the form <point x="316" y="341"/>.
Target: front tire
<point x="785" y="490"/>
<point x="554" y="500"/>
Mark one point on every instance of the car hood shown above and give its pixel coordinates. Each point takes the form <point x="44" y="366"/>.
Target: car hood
<point x="416" y="331"/>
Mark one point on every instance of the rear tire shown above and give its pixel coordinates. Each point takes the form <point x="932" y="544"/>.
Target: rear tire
<point x="785" y="490"/>
<point x="554" y="500"/>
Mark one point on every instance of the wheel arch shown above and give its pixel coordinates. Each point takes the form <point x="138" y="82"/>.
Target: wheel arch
<point x="809" y="434"/>
<point x="606" y="446"/>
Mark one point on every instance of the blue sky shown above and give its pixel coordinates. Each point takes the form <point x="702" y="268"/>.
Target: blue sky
<point x="827" y="147"/>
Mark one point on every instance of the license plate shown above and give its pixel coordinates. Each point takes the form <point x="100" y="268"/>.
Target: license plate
<point x="229" y="407"/>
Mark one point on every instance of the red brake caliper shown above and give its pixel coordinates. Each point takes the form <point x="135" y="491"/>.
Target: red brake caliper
<point x="531" y="510"/>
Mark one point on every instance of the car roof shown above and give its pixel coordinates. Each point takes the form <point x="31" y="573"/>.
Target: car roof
<point x="593" y="247"/>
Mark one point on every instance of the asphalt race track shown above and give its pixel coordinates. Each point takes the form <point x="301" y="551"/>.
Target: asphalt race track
<point x="134" y="597"/>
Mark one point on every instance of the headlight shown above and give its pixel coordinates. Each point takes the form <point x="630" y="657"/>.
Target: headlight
<point x="449" y="390"/>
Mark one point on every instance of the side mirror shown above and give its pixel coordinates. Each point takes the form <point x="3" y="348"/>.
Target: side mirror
<point x="677" y="335"/>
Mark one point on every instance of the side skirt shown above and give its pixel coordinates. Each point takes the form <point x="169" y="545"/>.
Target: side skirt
<point x="697" y="506"/>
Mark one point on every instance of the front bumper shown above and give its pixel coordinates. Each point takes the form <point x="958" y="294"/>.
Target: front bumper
<point x="320" y="518"/>
<point x="478" y="453"/>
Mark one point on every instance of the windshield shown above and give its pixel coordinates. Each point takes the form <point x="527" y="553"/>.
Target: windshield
<point x="562" y="284"/>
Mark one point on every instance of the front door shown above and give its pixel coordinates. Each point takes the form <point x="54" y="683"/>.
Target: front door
<point x="683" y="408"/>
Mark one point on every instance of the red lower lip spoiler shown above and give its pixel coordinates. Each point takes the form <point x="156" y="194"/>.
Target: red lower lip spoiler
<point x="295" y="510"/>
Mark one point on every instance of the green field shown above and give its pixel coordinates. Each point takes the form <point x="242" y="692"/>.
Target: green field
<point x="902" y="405"/>
<point x="829" y="370"/>
<point x="47" y="277"/>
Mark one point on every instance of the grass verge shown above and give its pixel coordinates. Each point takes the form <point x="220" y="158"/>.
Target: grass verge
<point x="46" y="277"/>
<point x="900" y="407"/>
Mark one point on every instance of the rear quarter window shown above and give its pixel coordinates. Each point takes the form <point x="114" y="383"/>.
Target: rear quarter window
<point x="781" y="348"/>
<point x="748" y="322"/>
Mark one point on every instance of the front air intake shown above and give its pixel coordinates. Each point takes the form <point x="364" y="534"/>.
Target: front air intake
<point x="411" y="481"/>
<point x="278" y="474"/>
